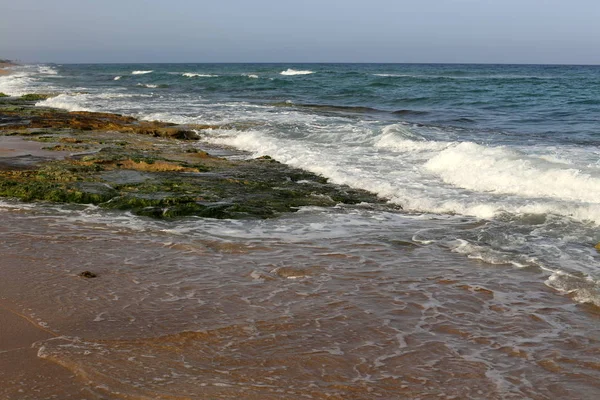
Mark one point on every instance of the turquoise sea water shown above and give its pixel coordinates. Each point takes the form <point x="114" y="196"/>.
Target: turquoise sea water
<point x="497" y="168"/>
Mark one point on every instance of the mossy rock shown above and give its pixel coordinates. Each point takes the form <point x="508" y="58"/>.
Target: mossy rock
<point x="3" y="95"/>
<point x="165" y="207"/>
<point x="36" y="96"/>
<point x="49" y="191"/>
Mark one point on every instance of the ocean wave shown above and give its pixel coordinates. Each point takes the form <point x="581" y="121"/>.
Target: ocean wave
<point x="194" y="75"/>
<point x="142" y="72"/>
<point x="396" y="75"/>
<point x="116" y="78"/>
<point x="17" y="83"/>
<point x="151" y="86"/>
<point x="253" y="76"/>
<point x="47" y="70"/>
<point x="400" y="138"/>
<point x="291" y="71"/>
<point x="65" y="102"/>
<point x="507" y="171"/>
<point x="410" y="112"/>
<point x="328" y="107"/>
<point x="477" y="184"/>
<point x="87" y="101"/>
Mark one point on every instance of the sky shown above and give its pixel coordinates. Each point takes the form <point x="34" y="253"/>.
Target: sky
<point x="402" y="31"/>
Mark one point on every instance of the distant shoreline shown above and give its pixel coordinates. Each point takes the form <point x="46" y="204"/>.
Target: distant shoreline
<point x="4" y="65"/>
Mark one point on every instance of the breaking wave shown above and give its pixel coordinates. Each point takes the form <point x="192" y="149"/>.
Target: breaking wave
<point x="194" y="75"/>
<point x="291" y="71"/>
<point x="508" y="171"/>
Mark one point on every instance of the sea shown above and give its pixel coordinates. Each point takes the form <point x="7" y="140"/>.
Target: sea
<point x="485" y="285"/>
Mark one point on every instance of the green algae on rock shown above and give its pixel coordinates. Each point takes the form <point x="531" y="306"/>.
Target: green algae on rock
<point x="36" y="96"/>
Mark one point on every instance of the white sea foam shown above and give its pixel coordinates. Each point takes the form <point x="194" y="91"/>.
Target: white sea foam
<point x="435" y="177"/>
<point x="582" y="289"/>
<point x="65" y="102"/>
<point x="47" y="70"/>
<point x="400" y="138"/>
<point x="116" y="78"/>
<point x="504" y="170"/>
<point x="253" y="76"/>
<point x="194" y="75"/>
<point x="141" y="72"/>
<point x="147" y="85"/>
<point x="21" y="80"/>
<point x="395" y="75"/>
<point x="15" y="84"/>
<point x="291" y="71"/>
<point x="490" y="255"/>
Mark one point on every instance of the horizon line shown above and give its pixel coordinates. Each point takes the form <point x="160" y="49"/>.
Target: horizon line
<point x="307" y="62"/>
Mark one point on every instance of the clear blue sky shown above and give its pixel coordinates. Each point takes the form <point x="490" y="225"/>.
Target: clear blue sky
<point x="478" y="31"/>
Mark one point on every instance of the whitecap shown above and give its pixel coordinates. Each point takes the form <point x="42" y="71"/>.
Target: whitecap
<point x="16" y="84"/>
<point x="194" y="75"/>
<point x="291" y="71"/>
<point x="395" y="75"/>
<point x="116" y="78"/>
<point x="400" y="138"/>
<point x="507" y="171"/>
<point x="65" y="102"/>
<point x="47" y="70"/>
<point x="141" y="72"/>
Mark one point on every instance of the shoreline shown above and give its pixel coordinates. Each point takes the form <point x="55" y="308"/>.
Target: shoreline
<point x="22" y="372"/>
<point x="120" y="163"/>
<point x="72" y="157"/>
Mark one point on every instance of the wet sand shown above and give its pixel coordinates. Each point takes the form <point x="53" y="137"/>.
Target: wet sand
<point x="23" y="375"/>
<point x="196" y="315"/>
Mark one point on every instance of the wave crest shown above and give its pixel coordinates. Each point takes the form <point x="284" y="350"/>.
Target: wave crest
<point x="502" y="170"/>
<point x="400" y="138"/>
<point x="194" y="75"/>
<point x="291" y="71"/>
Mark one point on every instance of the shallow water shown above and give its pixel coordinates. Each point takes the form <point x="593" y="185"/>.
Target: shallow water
<point x="314" y="305"/>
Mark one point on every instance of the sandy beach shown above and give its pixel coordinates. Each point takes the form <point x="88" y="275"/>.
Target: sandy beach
<point x="23" y="374"/>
